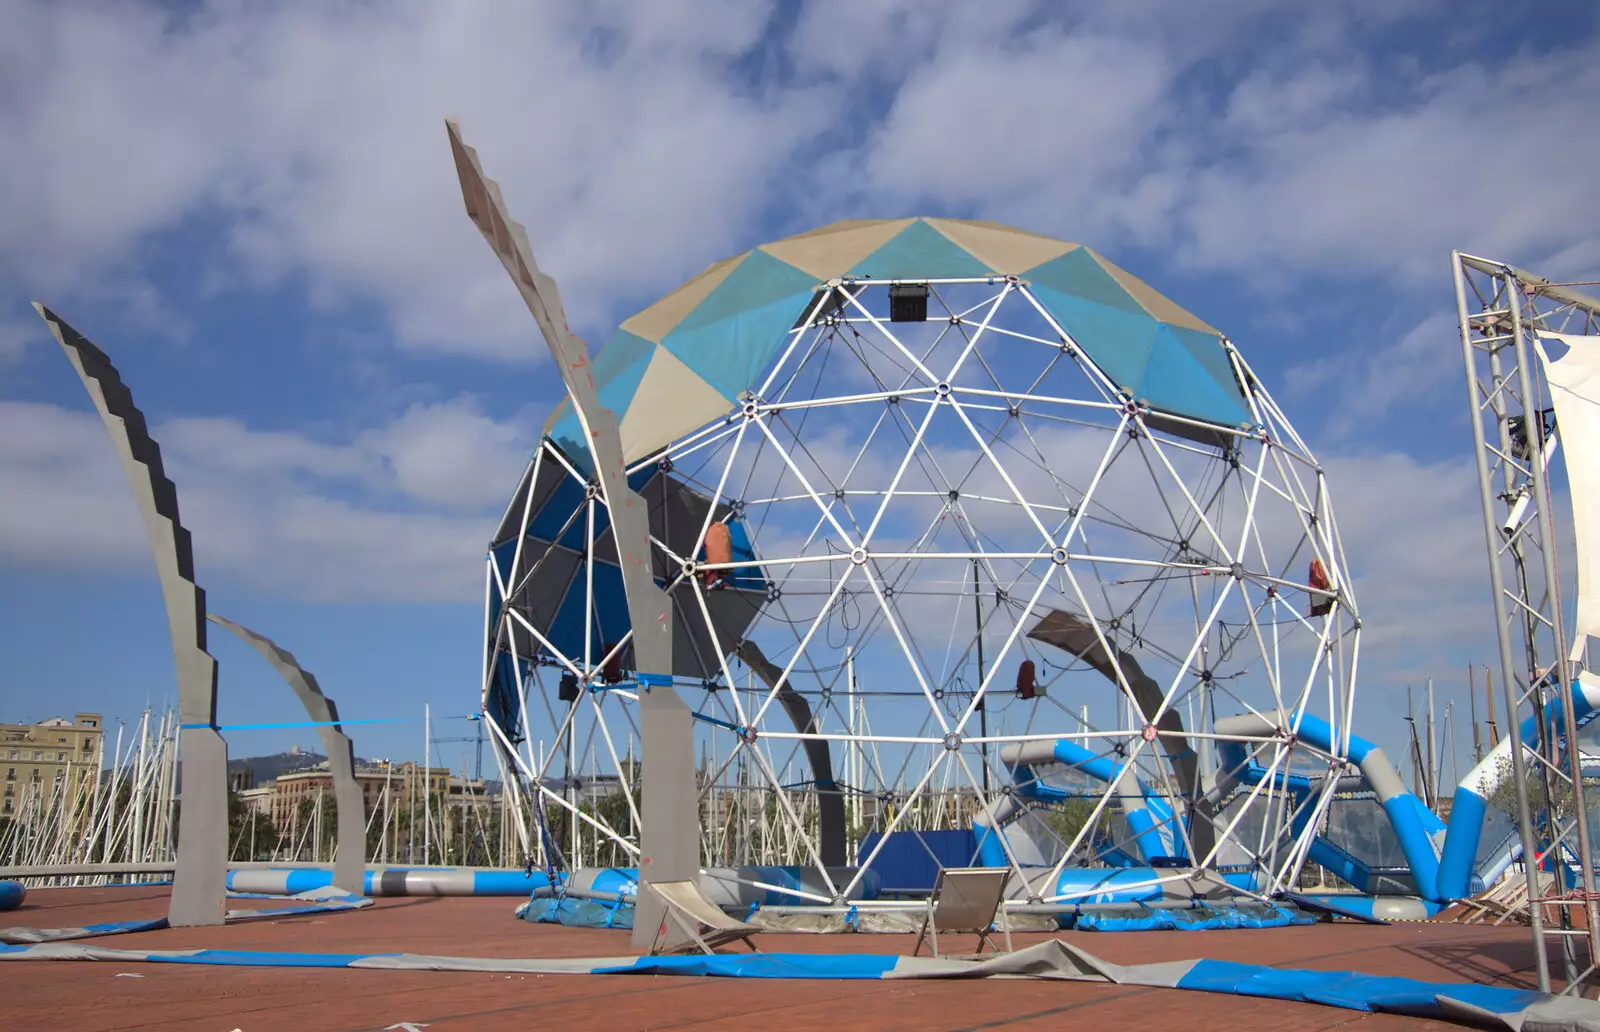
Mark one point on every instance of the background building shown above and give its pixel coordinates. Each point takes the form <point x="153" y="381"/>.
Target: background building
<point x="40" y="760"/>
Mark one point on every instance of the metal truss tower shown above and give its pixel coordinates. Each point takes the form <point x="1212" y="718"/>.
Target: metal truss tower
<point x="1501" y="311"/>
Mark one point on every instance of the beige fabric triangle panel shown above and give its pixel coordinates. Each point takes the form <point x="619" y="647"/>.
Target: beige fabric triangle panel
<point x="1163" y="309"/>
<point x="1005" y="250"/>
<point x="658" y="320"/>
<point x="839" y="226"/>
<point x="671" y="401"/>
<point x="835" y="252"/>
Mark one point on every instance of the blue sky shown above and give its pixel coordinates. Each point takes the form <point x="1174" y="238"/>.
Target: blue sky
<point x="253" y="210"/>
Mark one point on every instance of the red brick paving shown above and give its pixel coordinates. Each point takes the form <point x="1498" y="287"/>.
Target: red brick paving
<point x="91" y="997"/>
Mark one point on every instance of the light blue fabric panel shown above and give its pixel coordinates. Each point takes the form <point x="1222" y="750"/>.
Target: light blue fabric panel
<point x="920" y="252"/>
<point x="1118" y="341"/>
<point x="734" y="354"/>
<point x="618" y="369"/>
<point x="758" y="281"/>
<point x="764" y="965"/>
<point x="610" y="609"/>
<point x="1174" y="381"/>
<point x="1352" y="990"/>
<point x="1078" y="274"/>
<point x="1207" y="350"/>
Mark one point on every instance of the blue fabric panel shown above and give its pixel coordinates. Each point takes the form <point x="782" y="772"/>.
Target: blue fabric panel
<point x="1097" y="766"/>
<point x="1201" y="918"/>
<point x="907" y="863"/>
<point x="991" y="851"/>
<point x="114" y="927"/>
<point x="621" y="880"/>
<point x="1107" y="884"/>
<point x="734" y="354"/>
<point x="1174" y="381"/>
<point x="1078" y="274"/>
<point x="623" y="357"/>
<point x="1208" y="352"/>
<point x="546" y="522"/>
<point x="320" y="908"/>
<point x="255" y="958"/>
<point x="1119" y="342"/>
<point x="304" y="880"/>
<point x="1119" y="921"/>
<point x="1145" y="836"/>
<point x="1460" y="853"/>
<point x="1342" y="864"/>
<point x="763" y="965"/>
<point x="504" y="702"/>
<point x="577" y="913"/>
<point x="1350" y="990"/>
<point x="1414" y="842"/>
<point x="1166" y="825"/>
<point x="610" y="609"/>
<point x="758" y="281"/>
<point x="622" y="350"/>
<point x="507" y="883"/>
<point x="920" y="252"/>
<point x="617" y="370"/>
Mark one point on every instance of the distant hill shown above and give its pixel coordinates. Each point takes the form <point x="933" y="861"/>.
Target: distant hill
<point x="264" y="768"/>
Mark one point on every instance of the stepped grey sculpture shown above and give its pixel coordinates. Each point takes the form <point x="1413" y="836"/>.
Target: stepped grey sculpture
<point x="350" y="856"/>
<point x="199" y="889"/>
<point x="670" y="836"/>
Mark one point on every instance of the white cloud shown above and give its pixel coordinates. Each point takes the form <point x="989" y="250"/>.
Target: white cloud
<point x="640" y="141"/>
<point x="308" y="139"/>
<point x="398" y="514"/>
<point x="453" y="455"/>
<point x="1366" y="390"/>
<point x="1380" y="171"/>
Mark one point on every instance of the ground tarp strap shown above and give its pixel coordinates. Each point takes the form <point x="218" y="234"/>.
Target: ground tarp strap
<point x="316" y="901"/>
<point x="1514" y="1009"/>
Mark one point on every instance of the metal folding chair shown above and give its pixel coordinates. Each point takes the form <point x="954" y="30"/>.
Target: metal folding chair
<point x="699" y="918"/>
<point x="966" y="899"/>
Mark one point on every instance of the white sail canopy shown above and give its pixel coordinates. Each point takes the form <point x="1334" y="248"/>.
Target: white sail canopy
<point x="1574" y="380"/>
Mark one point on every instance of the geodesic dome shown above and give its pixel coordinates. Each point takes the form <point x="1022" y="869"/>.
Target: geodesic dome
<point x="952" y="515"/>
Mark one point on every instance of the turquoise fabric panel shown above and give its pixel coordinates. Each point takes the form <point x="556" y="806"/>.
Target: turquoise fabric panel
<point x="733" y="354"/>
<point x="1174" y="381"/>
<point x="1077" y="273"/>
<point x="920" y="252"/>
<point x="758" y="281"/>
<point x="1118" y="341"/>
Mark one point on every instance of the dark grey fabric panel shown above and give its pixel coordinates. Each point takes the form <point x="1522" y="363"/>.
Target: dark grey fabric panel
<point x="830" y="802"/>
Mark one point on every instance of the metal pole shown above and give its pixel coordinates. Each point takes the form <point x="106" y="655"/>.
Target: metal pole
<point x="427" y="782"/>
<point x="1497" y="588"/>
<point x="1472" y="705"/>
<point x="1488" y="693"/>
<point x="983" y="708"/>
<point x="1534" y="427"/>
<point x="1433" y="770"/>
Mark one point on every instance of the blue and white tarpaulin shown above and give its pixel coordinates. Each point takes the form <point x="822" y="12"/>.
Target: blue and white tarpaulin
<point x="1515" y="1009"/>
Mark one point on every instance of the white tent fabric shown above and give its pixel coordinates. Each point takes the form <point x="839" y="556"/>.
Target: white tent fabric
<point x="1574" y="380"/>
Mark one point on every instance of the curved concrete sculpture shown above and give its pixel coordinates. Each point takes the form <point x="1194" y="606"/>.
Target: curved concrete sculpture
<point x="670" y="836"/>
<point x="830" y="802"/>
<point x="199" y="894"/>
<point x="350" y="858"/>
